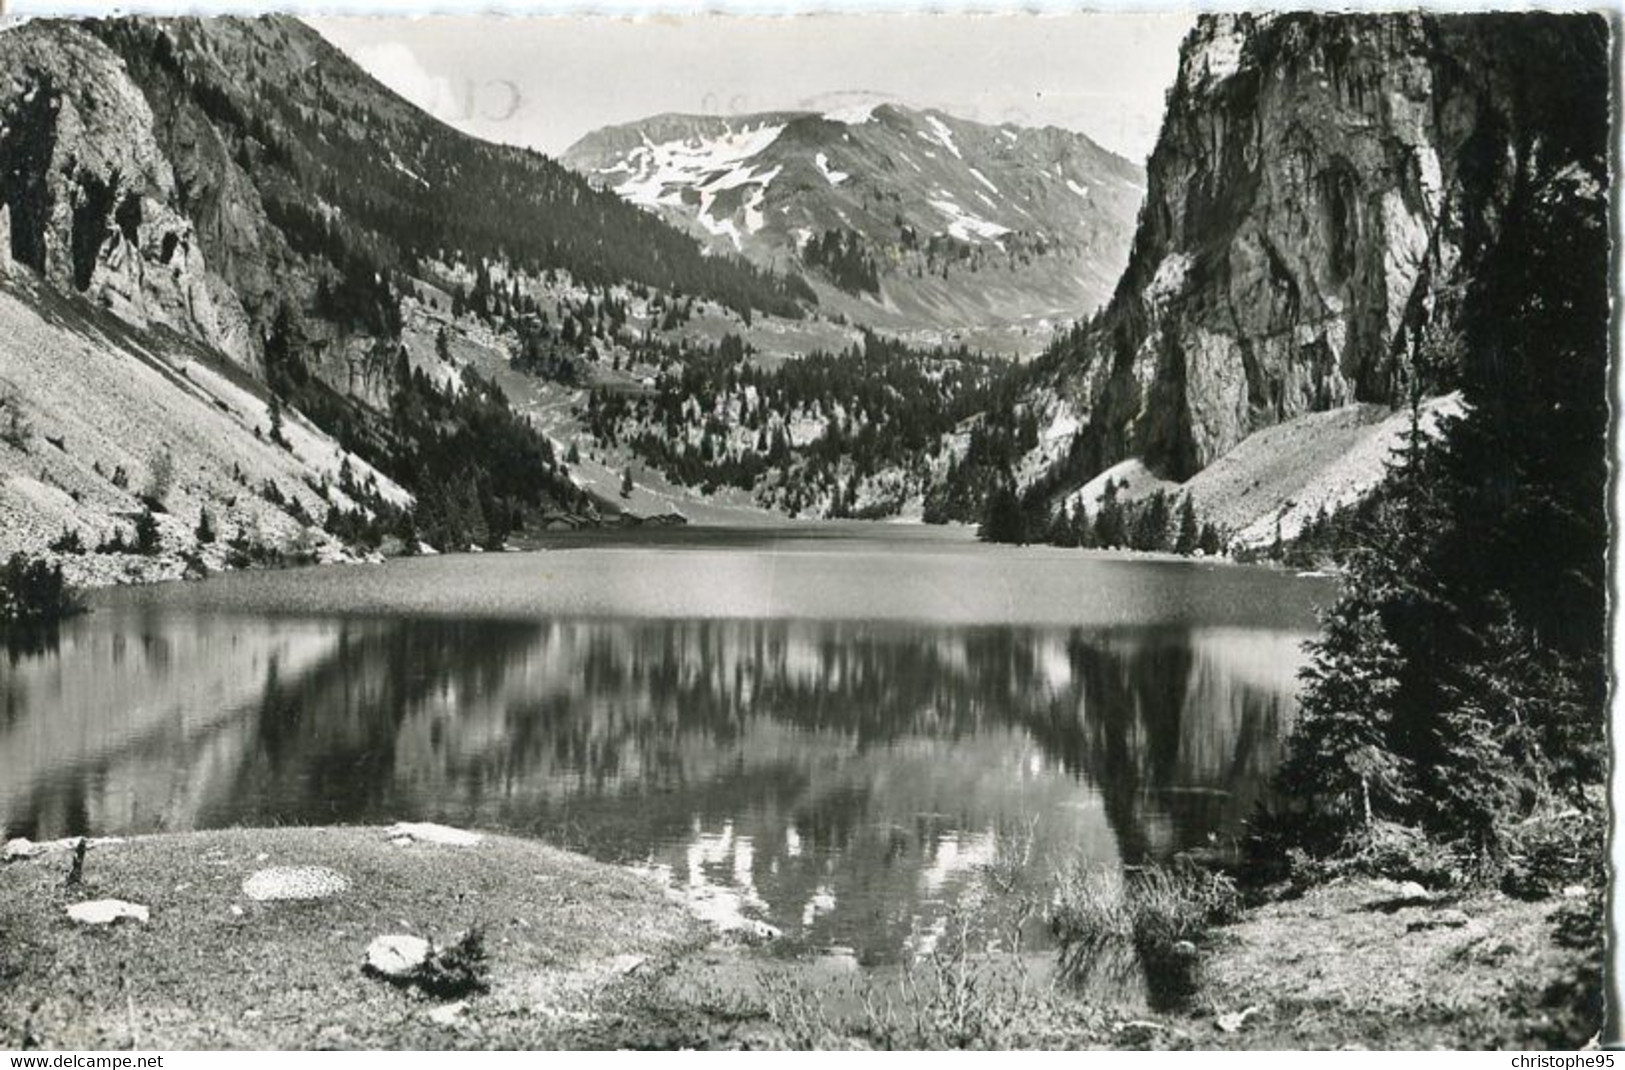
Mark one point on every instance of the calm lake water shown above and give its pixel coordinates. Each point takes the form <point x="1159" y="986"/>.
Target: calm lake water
<point x="829" y="729"/>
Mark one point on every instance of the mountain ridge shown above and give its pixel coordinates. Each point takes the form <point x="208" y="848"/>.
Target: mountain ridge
<point x="904" y="220"/>
<point x="240" y="189"/>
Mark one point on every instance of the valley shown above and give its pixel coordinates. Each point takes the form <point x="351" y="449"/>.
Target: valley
<point x="1108" y="602"/>
<point x="882" y="312"/>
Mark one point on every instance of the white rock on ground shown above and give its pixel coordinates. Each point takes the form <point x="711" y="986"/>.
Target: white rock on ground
<point x="107" y="911"/>
<point x="396" y="955"/>
<point x="626" y="963"/>
<point x="1230" y="1023"/>
<point x="22" y="848"/>
<point x="429" y="832"/>
<point x="18" y="849"/>
<point x="294" y="882"/>
<point x="449" y="1013"/>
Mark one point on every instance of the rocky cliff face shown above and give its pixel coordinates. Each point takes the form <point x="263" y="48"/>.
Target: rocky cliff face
<point x="1320" y="197"/>
<point x="91" y="202"/>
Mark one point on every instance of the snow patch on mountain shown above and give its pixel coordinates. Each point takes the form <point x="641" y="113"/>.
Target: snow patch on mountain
<point x="964" y="225"/>
<point x="893" y="184"/>
<point x="754" y="219"/>
<point x="831" y="175"/>
<point x="661" y="172"/>
<point x="942" y="135"/>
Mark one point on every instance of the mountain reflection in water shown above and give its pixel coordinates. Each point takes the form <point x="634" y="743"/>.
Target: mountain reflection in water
<point x="842" y="780"/>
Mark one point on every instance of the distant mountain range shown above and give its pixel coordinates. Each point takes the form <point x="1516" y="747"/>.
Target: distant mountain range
<point x="903" y="220"/>
<point x="239" y="277"/>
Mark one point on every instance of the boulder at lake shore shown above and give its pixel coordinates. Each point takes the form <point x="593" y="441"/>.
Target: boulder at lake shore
<point x="429" y="832"/>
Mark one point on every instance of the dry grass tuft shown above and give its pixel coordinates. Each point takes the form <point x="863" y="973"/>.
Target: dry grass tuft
<point x="1163" y="914"/>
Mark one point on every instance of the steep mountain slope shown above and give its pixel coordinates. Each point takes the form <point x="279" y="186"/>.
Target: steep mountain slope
<point x="239" y="192"/>
<point x="302" y="177"/>
<point x="1325" y="200"/>
<point x="111" y="418"/>
<point x="906" y="219"/>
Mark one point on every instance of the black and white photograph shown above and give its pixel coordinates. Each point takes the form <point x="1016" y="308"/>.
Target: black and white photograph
<point x="869" y="529"/>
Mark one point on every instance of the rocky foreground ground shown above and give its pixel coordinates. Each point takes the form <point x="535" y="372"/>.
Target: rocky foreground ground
<point x="316" y="937"/>
<point x="259" y="939"/>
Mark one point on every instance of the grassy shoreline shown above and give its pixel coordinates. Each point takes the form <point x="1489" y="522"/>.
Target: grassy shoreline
<point x="587" y="954"/>
<point x="216" y="969"/>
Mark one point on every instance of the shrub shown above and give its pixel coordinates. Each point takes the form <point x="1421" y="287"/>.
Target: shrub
<point x="1551" y="851"/>
<point x="1163" y="913"/>
<point x="15" y="428"/>
<point x="1380" y="849"/>
<point x="69" y="542"/>
<point x="277" y="435"/>
<point x="240" y="550"/>
<point x="160" y="481"/>
<point x="959" y="995"/>
<point x="459" y="969"/>
<point x="33" y="592"/>
<point x="1090" y="916"/>
<point x="1401" y="853"/>
<point x="1012" y="855"/>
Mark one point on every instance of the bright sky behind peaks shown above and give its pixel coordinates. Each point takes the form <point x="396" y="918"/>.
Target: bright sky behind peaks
<point x="543" y="82"/>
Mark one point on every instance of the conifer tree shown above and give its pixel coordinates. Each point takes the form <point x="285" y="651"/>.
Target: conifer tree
<point x="276" y="435"/>
<point x="1003" y="520"/>
<point x="1083" y="530"/>
<point x="1189" y="538"/>
<point x="147" y="538"/>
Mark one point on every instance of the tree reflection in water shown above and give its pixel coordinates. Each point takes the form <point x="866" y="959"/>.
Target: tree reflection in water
<point x="843" y="780"/>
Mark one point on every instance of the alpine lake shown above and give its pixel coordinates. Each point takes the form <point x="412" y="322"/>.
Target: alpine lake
<point x="834" y="730"/>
